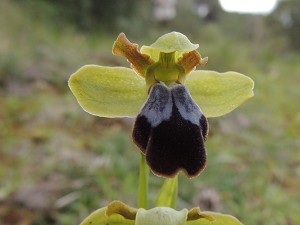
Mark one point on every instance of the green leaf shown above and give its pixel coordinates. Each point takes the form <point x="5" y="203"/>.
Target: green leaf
<point x="171" y="42"/>
<point x="219" y="219"/>
<point x="168" y="193"/>
<point x="219" y="93"/>
<point x="99" y="217"/>
<point x="161" y="216"/>
<point x="108" y="91"/>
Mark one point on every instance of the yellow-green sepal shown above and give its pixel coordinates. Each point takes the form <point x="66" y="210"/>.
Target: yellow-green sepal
<point x="171" y="42"/>
<point x="218" y="219"/>
<point x="99" y="217"/>
<point x="219" y="93"/>
<point x="108" y="91"/>
<point x="161" y="216"/>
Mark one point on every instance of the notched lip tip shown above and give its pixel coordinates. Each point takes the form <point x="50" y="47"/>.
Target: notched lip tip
<point x="194" y="175"/>
<point x="176" y="173"/>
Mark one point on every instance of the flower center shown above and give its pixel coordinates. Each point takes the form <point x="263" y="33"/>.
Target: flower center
<point x="165" y="70"/>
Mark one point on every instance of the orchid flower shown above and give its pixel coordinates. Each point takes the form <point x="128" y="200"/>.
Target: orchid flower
<point x="171" y="102"/>
<point x="169" y="98"/>
<point x="118" y="213"/>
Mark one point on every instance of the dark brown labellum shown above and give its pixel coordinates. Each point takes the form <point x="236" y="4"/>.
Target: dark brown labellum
<point x="171" y="130"/>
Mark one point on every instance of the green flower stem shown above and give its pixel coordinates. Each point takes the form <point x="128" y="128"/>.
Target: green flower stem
<point x="168" y="193"/>
<point x="143" y="184"/>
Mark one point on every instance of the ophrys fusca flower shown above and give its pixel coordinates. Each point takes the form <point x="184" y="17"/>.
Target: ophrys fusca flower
<point x="169" y="98"/>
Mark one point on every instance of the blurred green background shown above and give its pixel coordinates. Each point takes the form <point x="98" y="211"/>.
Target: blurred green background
<point x="58" y="163"/>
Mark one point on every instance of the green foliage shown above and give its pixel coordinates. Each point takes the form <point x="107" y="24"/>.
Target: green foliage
<point x="253" y="153"/>
<point x="88" y="15"/>
<point x="286" y="19"/>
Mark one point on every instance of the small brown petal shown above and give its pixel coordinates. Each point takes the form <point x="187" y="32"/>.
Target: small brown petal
<point x="139" y="62"/>
<point x="190" y="60"/>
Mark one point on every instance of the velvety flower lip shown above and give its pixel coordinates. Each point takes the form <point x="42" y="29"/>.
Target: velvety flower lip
<point x="171" y="130"/>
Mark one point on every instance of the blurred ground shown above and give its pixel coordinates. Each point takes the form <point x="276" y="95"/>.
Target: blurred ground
<point x="57" y="163"/>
